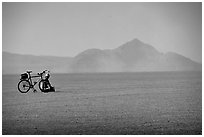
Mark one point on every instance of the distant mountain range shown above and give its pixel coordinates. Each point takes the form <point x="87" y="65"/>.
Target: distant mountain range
<point x="133" y="56"/>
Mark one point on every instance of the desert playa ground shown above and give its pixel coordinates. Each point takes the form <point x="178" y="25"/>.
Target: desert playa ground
<point x="127" y="103"/>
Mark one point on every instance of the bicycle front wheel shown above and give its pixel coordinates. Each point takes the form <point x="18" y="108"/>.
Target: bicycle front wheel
<point x="43" y="85"/>
<point x="24" y="86"/>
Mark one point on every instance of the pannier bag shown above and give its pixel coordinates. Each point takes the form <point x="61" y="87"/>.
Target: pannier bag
<point x="24" y="76"/>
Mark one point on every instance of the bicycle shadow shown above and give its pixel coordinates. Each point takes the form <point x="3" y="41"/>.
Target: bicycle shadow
<point x="67" y="91"/>
<point x="70" y="91"/>
<point x="51" y="91"/>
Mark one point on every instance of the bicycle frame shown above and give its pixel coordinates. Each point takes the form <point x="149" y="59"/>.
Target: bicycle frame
<point x="34" y="76"/>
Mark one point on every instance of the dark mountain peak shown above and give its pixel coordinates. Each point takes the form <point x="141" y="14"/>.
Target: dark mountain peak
<point x="132" y="43"/>
<point x="136" y="41"/>
<point x="136" y="49"/>
<point x="136" y="45"/>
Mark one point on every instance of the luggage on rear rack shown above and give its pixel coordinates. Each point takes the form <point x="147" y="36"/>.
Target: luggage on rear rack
<point x="24" y="76"/>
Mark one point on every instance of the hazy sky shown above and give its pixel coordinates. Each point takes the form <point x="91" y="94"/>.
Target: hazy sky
<point x="66" y="29"/>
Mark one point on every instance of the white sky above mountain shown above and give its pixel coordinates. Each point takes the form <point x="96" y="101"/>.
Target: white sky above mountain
<point x="66" y="29"/>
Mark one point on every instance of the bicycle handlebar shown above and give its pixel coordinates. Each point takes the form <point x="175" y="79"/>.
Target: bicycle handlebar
<point x="37" y="73"/>
<point x="42" y="72"/>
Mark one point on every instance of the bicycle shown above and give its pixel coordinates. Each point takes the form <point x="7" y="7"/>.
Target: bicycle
<point x="26" y="83"/>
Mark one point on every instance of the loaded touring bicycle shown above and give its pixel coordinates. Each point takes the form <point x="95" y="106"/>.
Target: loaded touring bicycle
<point x="26" y="83"/>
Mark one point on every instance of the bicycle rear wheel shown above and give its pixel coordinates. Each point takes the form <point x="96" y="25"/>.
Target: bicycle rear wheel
<point x="24" y="86"/>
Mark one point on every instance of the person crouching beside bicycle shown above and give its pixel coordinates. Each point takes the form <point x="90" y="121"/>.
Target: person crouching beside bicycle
<point x="49" y="87"/>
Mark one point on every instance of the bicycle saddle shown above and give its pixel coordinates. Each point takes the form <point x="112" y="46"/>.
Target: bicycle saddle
<point x="29" y="71"/>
